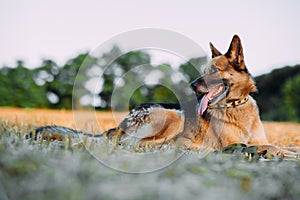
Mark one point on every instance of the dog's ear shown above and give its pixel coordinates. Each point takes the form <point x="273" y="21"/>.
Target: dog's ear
<point x="235" y="54"/>
<point x="214" y="51"/>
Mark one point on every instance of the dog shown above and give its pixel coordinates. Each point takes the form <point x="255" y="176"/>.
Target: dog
<point x="226" y="113"/>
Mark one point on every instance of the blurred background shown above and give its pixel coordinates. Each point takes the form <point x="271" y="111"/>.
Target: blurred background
<point x="43" y="44"/>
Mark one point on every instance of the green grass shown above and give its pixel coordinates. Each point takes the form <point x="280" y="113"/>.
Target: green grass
<point x="53" y="170"/>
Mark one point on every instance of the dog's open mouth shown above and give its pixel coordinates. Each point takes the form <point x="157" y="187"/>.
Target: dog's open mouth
<point x="212" y="96"/>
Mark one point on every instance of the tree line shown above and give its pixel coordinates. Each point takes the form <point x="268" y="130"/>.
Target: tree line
<point x="121" y="82"/>
<point x="278" y="94"/>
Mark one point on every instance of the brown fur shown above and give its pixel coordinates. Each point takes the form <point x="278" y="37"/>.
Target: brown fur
<point x="217" y="127"/>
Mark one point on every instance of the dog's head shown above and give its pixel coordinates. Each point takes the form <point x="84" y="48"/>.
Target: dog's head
<point x="225" y="78"/>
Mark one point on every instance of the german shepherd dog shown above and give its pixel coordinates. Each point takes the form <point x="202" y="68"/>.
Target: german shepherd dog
<point x="226" y="113"/>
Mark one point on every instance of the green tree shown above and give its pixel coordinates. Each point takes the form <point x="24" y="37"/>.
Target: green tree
<point x="18" y="89"/>
<point x="193" y="68"/>
<point x="60" y="87"/>
<point x="270" y="92"/>
<point x="291" y="98"/>
<point x="122" y="70"/>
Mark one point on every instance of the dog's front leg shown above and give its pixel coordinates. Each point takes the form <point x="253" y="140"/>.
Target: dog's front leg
<point x="257" y="134"/>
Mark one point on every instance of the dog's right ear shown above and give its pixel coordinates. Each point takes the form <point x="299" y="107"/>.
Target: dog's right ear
<point x="235" y="54"/>
<point x="214" y="51"/>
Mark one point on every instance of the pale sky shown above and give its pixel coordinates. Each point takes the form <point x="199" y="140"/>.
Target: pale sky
<point x="33" y="30"/>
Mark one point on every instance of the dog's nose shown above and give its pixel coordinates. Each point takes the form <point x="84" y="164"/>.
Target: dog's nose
<point x="194" y="85"/>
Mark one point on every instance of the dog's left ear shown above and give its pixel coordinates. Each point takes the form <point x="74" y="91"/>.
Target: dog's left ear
<point x="214" y="51"/>
<point x="235" y="54"/>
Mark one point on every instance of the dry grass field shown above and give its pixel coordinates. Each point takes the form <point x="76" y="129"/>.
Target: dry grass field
<point x="278" y="133"/>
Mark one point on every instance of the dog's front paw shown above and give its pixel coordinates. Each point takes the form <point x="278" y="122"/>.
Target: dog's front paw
<point x="276" y="151"/>
<point x="187" y="144"/>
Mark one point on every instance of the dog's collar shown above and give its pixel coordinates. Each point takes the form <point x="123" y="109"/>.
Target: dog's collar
<point x="231" y="104"/>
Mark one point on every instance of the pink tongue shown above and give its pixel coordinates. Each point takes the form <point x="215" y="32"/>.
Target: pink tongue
<point x="204" y="103"/>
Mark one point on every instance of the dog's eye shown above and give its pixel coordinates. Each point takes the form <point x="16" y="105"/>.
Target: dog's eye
<point x="213" y="69"/>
